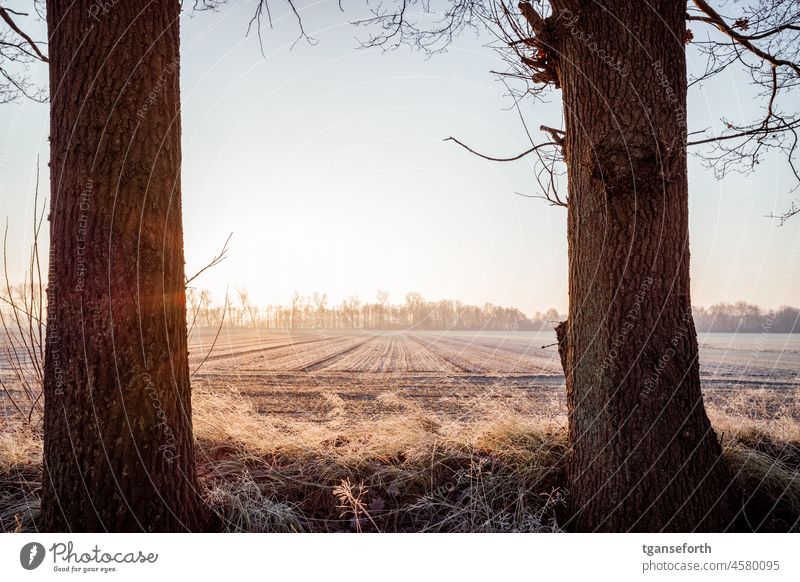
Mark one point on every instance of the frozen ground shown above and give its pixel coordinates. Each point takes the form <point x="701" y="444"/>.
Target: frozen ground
<point x="316" y="373"/>
<point x="729" y="359"/>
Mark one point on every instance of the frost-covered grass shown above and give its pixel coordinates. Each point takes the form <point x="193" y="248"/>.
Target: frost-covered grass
<point x="414" y="469"/>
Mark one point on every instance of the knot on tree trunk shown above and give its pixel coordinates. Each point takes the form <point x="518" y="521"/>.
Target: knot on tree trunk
<point x="623" y="166"/>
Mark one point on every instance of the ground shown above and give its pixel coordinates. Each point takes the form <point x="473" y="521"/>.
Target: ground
<point x="313" y="375"/>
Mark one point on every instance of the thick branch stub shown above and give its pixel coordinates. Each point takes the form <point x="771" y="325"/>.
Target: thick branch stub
<point x="558" y="135"/>
<point x="544" y="64"/>
<point x="535" y="21"/>
<point x="562" y="339"/>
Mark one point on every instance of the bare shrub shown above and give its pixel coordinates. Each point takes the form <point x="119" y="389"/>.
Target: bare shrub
<point x="22" y="319"/>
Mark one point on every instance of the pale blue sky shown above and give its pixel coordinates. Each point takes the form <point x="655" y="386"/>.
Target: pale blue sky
<point x="328" y="165"/>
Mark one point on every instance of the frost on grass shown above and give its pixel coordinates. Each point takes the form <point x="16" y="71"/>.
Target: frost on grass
<point x="405" y="465"/>
<point x="244" y="507"/>
<point x="406" y="471"/>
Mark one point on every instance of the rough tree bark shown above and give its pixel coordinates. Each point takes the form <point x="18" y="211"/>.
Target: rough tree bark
<point x="643" y="454"/>
<point x="118" y="446"/>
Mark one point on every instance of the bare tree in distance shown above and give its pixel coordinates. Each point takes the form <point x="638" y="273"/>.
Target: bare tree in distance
<point x="383" y="302"/>
<point x="321" y="304"/>
<point x="643" y="455"/>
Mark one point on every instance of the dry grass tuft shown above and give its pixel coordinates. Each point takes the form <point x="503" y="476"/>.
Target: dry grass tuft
<point x="20" y="475"/>
<point x="243" y="506"/>
<point x="764" y="458"/>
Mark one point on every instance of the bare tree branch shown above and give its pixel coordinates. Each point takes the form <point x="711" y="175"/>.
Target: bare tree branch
<point x="223" y="254"/>
<point x="5" y="16"/>
<point x="511" y="159"/>
<point x="715" y="19"/>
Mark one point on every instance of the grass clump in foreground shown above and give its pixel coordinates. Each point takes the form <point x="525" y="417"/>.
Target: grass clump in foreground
<point x="412" y="470"/>
<point x="408" y="471"/>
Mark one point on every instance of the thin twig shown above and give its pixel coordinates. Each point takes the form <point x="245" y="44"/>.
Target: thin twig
<point x="511" y="159"/>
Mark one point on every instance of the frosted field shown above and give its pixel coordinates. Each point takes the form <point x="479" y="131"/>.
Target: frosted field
<point x="318" y="373"/>
<point x="768" y="360"/>
<point x="380" y="352"/>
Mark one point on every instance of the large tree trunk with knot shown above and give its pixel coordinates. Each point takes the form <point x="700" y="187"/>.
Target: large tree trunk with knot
<point x="643" y="454"/>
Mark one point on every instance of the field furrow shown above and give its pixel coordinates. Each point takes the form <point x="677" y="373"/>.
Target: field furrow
<point x="428" y="352"/>
<point x="345" y="353"/>
<point x="499" y="358"/>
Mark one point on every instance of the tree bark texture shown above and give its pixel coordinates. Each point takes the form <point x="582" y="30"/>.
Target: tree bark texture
<point x="118" y="450"/>
<point x="643" y="454"/>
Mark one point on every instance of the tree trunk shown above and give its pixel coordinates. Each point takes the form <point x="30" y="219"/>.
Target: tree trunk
<point x="118" y="446"/>
<point x="643" y="454"/>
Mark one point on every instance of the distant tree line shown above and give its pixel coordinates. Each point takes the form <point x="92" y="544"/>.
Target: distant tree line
<point x="743" y="317"/>
<point x="415" y="312"/>
<point x="316" y="312"/>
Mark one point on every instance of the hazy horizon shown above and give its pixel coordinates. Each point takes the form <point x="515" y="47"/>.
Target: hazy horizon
<point x="219" y="299"/>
